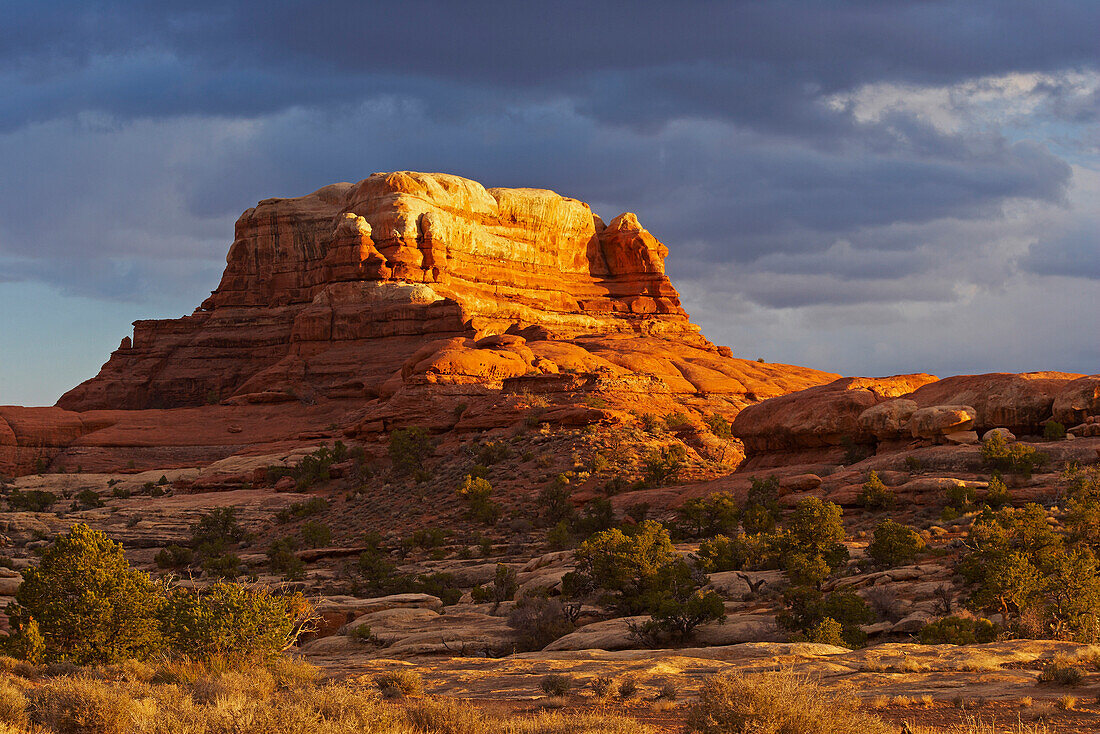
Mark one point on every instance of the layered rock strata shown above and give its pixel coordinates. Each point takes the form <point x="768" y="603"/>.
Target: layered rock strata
<point x="334" y="291"/>
<point x="406" y="299"/>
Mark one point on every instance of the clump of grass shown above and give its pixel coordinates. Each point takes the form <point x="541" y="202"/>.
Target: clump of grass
<point x="668" y="691"/>
<point x="556" y="684"/>
<point x="628" y="687"/>
<point x="776" y="702"/>
<point x="395" y="683"/>
<point x="602" y="686"/>
<point x="1067" y="702"/>
<point x="1062" y="672"/>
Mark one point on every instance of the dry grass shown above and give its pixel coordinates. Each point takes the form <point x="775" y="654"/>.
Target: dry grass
<point x="283" y="696"/>
<point x="777" y="703"/>
<point x="1067" y="702"/>
<point x="977" y="725"/>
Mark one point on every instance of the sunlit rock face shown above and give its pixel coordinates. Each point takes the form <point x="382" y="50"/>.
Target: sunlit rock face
<point x="357" y="289"/>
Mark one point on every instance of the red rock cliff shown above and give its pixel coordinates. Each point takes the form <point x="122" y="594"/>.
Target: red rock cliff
<point x="358" y="289"/>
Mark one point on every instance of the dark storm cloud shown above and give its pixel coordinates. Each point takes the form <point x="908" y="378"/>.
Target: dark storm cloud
<point x="1076" y="254"/>
<point x="632" y="63"/>
<point x="802" y="155"/>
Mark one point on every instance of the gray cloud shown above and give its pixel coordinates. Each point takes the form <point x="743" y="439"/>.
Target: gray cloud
<point x="889" y="165"/>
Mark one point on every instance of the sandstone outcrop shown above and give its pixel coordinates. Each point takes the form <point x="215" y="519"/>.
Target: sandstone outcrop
<point x="405" y="299"/>
<point x="823" y="416"/>
<point x="895" y="411"/>
<point x="355" y="289"/>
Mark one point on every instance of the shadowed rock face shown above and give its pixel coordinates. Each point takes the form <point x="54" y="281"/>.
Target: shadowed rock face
<point x="332" y="292"/>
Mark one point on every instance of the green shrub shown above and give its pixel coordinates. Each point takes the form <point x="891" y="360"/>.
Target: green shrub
<point x="442" y="585"/>
<point x="716" y="514"/>
<point x="811" y="543"/>
<point x="283" y="560"/>
<point x="556" y="684"/>
<point x="87" y="499"/>
<point x="1021" y="568"/>
<point x="32" y="500"/>
<point x="960" y="498"/>
<point x="87" y="603"/>
<point x="216" y="530"/>
<point x="560" y="536"/>
<point x="474" y="492"/>
<point x="642" y="573"/>
<point x="598" y="515"/>
<point x="409" y="449"/>
<point x="806" y="610"/>
<point x="662" y="466"/>
<point x="316" y="534"/>
<point x="121" y="493"/>
<point x="224" y="565"/>
<point x="232" y="620"/>
<point x="1054" y="431"/>
<point x="492" y="452"/>
<point x="761" y="510"/>
<point x="894" y="544"/>
<point x="1017" y="458"/>
<point x="738" y="553"/>
<point x="555" y="502"/>
<point x="300" y="510"/>
<point x="311" y="468"/>
<point x="997" y="494"/>
<point x="173" y="556"/>
<point x="958" y="631"/>
<point x="719" y="426"/>
<point x="913" y="465"/>
<point x="500" y="589"/>
<point x="363" y="634"/>
<point x="875" y="495"/>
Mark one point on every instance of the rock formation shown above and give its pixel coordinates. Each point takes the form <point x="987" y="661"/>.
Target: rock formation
<point x="410" y="299"/>
<point x="331" y="293"/>
<point x="895" y="411"/>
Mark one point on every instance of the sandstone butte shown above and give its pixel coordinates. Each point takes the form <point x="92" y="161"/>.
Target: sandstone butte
<point x="416" y="299"/>
<point x="405" y="299"/>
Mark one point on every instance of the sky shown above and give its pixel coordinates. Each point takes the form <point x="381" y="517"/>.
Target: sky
<point x="866" y="187"/>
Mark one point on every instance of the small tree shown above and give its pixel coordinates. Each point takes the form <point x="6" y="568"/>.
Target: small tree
<point x="555" y="502"/>
<point x="662" y="466"/>
<point x="875" y="495"/>
<point x="812" y="616"/>
<point x="539" y="620"/>
<point x="86" y="603"/>
<point x="761" y="510"/>
<point x="228" y="619"/>
<point x="894" y="544"/>
<point x="717" y="514"/>
<point x="474" y="492"/>
<point x="409" y="449"/>
<point x="811" y="544"/>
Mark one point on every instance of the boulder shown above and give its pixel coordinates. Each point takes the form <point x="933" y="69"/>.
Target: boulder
<point x="887" y="420"/>
<point x="939" y="420"/>
<point x="800" y="482"/>
<point x="1077" y="400"/>
<point x="1019" y="402"/>
<point x="1004" y="433"/>
<point x="826" y="415"/>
